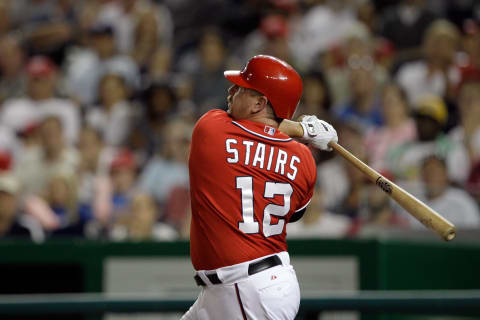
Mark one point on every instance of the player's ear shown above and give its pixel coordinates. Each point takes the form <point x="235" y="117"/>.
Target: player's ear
<point x="261" y="103"/>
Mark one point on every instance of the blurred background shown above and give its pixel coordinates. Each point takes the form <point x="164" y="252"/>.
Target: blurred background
<point x="98" y="99"/>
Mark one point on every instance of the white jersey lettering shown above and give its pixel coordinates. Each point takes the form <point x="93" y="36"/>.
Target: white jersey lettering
<point x="233" y="151"/>
<point x="247" y="144"/>
<point x="281" y="161"/>
<point x="257" y="153"/>
<point x="292" y="175"/>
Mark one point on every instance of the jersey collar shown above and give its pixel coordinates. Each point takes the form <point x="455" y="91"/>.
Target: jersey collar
<point x="261" y="130"/>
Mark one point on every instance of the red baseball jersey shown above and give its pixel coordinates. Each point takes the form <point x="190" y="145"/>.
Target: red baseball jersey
<point x="246" y="181"/>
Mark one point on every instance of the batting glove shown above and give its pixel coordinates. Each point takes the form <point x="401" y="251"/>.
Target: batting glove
<point x="318" y="133"/>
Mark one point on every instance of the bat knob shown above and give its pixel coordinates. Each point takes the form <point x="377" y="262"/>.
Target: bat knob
<point x="450" y="235"/>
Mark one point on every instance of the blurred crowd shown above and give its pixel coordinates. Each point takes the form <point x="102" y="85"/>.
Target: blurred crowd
<point x="98" y="99"/>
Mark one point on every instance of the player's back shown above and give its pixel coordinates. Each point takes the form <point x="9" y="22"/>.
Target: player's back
<point x="246" y="181"/>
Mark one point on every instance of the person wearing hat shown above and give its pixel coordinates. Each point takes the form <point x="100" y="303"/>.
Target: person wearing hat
<point x="51" y="153"/>
<point x="41" y="101"/>
<point x="430" y="115"/>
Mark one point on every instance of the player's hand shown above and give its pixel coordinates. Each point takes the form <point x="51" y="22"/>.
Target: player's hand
<point x="318" y="133"/>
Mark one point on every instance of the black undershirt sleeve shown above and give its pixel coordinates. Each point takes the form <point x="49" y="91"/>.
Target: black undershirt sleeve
<point x="297" y="215"/>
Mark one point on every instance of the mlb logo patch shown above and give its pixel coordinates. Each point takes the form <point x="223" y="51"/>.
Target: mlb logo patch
<point x="269" y="130"/>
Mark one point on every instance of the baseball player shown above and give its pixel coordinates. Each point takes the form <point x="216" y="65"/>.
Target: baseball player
<point x="247" y="181"/>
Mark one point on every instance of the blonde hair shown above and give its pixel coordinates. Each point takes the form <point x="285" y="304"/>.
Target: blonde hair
<point x="69" y="179"/>
<point x="442" y="27"/>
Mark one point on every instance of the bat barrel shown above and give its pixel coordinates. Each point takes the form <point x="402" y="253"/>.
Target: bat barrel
<point x="423" y="213"/>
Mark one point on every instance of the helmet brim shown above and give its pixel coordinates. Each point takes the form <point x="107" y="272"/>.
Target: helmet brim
<point x="235" y="77"/>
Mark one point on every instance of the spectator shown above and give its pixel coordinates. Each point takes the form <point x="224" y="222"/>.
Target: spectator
<point x="271" y="37"/>
<point x="47" y="26"/>
<point x="398" y="128"/>
<point x="134" y="213"/>
<point x="435" y="73"/>
<point x="337" y="178"/>
<point x="405" y="24"/>
<point x="9" y="145"/>
<point x="86" y="66"/>
<point x="206" y="67"/>
<point x="430" y="117"/>
<point x="94" y="186"/>
<point x="13" y="80"/>
<point x="317" y="98"/>
<point x="62" y="198"/>
<point x="377" y="214"/>
<point x="86" y="19"/>
<point x="363" y="108"/>
<point x="139" y="26"/>
<point x="352" y="202"/>
<point x="13" y="223"/>
<point x="123" y="173"/>
<point x="318" y="222"/>
<point x="452" y="203"/>
<point x="141" y="224"/>
<point x="160" y="104"/>
<point x="170" y="164"/>
<point x="469" y="59"/>
<point x="53" y="155"/>
<point x="41" y="101"/>
<point x="27" y="143"/>
<point x="113" y="118"/>
<point x="367" y="14"/>
<point x="356" y="51"/>
<point x="472" y="185"/>
<point x="466" y="136"/>
<point x="160" y="65"/>
<point x="142" y="219"/>
<point x="177" y="211"/>
<point x="333" y="20"/>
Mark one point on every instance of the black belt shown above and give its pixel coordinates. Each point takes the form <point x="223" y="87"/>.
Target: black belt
<point x="254" y="267"/>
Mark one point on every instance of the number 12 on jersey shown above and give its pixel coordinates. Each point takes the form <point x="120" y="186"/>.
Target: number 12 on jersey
<point x="248" y="224"/>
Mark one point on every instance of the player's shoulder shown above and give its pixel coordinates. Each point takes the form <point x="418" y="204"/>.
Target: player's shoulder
<point x="211" y="120"/>
<point x="214" y="115"/>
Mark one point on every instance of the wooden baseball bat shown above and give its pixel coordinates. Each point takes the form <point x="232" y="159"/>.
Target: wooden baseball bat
<point x="423" y="213"/>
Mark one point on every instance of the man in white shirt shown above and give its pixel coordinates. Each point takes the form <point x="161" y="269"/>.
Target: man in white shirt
<point x="455" y="204"/>
<point x="40" y="102"/>
<point x="436" y="73"/>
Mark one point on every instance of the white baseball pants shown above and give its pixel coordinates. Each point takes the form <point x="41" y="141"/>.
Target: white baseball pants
<point x="272" y="294"/>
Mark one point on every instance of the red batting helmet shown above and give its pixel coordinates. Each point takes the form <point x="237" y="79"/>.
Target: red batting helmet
<point x="274" y="78"/>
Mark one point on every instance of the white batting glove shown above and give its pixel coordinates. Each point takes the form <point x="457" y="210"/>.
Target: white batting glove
<point x="318" y="133"/>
